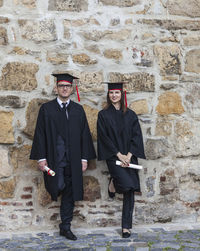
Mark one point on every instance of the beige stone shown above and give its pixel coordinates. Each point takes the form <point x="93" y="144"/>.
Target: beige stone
<point x="127" y="3"/>
<point x="138" y="81"/>
<point x="7" y="188"/>
<point x="38" y="31"/>
<point x="83" y="59"/>
<point x="168" y="59"/>
<point x="19" y="157"/>
<point x="11" y="101"/>
<point x="192" y="63"/>
<point x="31" y="116"/>
<point x="90" y="81"/>
<point x="92" y="190"/>
<point x="91" y="164"/>
<point x="163" y="126"/>
<point x="4" y="20"/>
<point x="168" y="24"/>
<point x="6" y="132"/>
<point x="93" y="48"/>
<point x="113" y="54"/>
<point x="140" y="106"/>
<point x="80" y="22"/>
<point x="170" y="102"/>
<point x="183" y="129"/>
<point x="191" y="41"/>
<point x="184" y="8"/>
<point x="1" y="3"/>
<point x="43" y="196"/>
<point x="3" y="36"/>
<point x="28" y="3"/>
<point x="120" y="35"/>
<point x="91" y="114"/>
<point x="57" y="58"/>
<point x="5" y="168"/>
<point x="68" y="5"/>
<point x="19" y="76"/>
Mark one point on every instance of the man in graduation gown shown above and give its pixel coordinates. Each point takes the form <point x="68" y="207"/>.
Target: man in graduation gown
<point x="63" y="142"/>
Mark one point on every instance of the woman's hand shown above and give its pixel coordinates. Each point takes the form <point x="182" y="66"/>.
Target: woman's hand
<point x="124" y="159"/>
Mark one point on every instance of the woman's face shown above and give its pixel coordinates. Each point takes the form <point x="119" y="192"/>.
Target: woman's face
<point x="115" y="96"/>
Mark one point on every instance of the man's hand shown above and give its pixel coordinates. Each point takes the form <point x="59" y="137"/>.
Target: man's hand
<point x="42" y="164"/>
<point x="84" y="165"/>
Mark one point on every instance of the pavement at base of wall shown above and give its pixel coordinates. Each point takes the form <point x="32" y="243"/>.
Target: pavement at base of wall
<point x="156" y="237"/>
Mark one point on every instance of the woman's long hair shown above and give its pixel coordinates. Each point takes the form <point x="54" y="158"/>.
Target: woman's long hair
<point x="122" y="102"/>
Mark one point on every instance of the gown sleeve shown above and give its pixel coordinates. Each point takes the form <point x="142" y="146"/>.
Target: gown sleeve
<point x="136" y="144"/>
<point x="105" y="146"/>
<point x="38" y="150"/>
<point x="87" y="147"/>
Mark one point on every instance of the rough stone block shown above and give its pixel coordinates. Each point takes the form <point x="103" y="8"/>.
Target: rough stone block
<point x="38" y="31"/>
<point x="156" y="148"/>
<point x="11" y="101"/>
<point x="5" y="168"/>
<point x="170" y="102"/>
<point x="31" y="116"/>
<point x="140" y="106"/>
<point x="7" y="131"/>
<point x="20" y="157"/>
<point x="68" y="5"/>
<point x="138" y="81"/>
<point x="184" y="8"/>
<point x="7" y="188"/>
<point x="127" y="3"/>
<point x="92" y="190"/>
<point x="19" y="76"/>
<point x="91" y="114"/>
<point x="3" y="36"/>
<point x="113" y="54"/>
<point x="27" y="3"/>
<point x="178" y="24"/>
<point x="83" y="59"/>
<point x="168" y="59"/>
<point x="192" y="63"/>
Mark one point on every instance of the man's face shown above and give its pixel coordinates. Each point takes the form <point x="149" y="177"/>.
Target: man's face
<point x="64" y="90"/>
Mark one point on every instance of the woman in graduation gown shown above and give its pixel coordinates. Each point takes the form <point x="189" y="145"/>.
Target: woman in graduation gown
<point x="120" y="138"/>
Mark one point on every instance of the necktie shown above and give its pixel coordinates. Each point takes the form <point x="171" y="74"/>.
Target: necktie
<point x="65" y="109"/>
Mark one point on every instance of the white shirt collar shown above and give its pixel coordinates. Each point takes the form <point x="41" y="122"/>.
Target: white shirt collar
<point x="60" y="102"/>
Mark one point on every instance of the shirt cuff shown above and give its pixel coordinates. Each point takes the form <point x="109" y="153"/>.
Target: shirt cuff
<point x="84" y="160"/>
<point x="41" y="160"/>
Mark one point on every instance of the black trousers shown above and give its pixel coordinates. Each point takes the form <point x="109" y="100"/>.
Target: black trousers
<point x="67" y="202"/>
<point x="127" y="210"/>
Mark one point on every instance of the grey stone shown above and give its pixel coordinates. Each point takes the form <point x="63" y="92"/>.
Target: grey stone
<point x="11" y="101"/>
<point x="156" y="148"/>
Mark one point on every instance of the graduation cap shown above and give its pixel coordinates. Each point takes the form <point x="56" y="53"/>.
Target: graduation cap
<point x="117" y="86"/>
<point x="66" y="77"/>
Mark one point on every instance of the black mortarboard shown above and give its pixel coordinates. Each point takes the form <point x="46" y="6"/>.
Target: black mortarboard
<point x="64" y="77"/>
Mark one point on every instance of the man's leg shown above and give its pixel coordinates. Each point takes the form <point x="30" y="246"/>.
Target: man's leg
<point x="67" y="207"/>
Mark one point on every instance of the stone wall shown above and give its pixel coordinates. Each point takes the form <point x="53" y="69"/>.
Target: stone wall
<point x="153" y="44"/>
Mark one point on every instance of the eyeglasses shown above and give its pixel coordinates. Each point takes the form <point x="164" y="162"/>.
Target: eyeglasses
<point x="63" y="86"/>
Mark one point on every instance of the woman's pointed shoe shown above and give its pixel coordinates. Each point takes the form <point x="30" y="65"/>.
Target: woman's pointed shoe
<point x="111" y="194"/>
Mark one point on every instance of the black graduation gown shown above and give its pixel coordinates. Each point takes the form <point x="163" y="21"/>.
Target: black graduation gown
<point x="120" y="132"/>
<point x="47" y="129"/>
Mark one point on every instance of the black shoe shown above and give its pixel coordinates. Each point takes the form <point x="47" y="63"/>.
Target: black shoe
<point x="68" y="234"/>
<point x="126" y="234"/>
<point x="111" y="194"/>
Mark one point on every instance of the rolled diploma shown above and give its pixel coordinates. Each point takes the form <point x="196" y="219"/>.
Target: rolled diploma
<point x="130" y="165"/>
<point x="49" y="171"/>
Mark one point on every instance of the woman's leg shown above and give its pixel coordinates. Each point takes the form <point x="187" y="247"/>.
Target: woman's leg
<point x="127" y="210"/>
